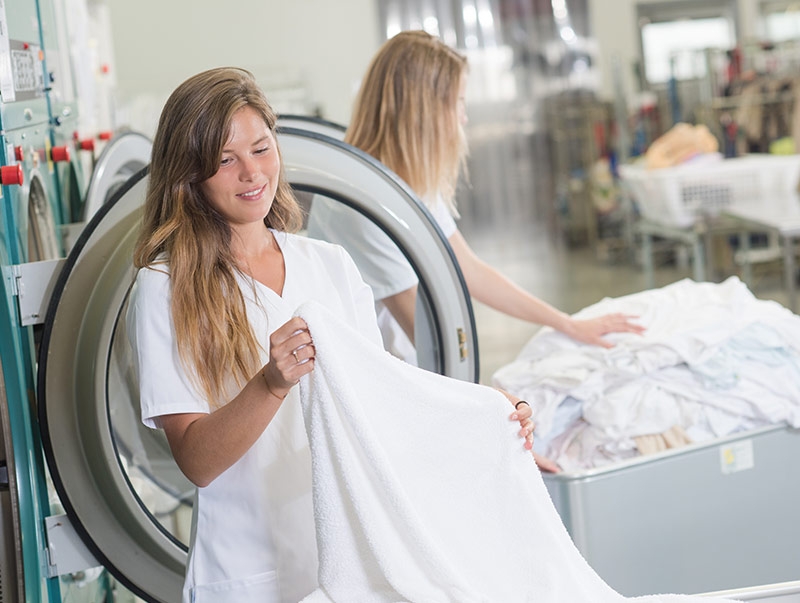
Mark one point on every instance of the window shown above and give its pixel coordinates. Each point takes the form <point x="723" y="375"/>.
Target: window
<point x="678" y="46"/>
<point x="674" y="36"/>
<point x="781" y="21"/>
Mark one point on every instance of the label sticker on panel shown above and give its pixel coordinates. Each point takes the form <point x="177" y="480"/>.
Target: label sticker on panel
<point x="737" y="456"/>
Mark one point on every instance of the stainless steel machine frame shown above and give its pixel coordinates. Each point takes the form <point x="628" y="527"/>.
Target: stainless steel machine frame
<point x="702" y="518"/>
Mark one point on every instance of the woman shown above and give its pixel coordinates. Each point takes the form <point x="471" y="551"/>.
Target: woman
<point x="409" y="114"/>
<point x="217" y="351"/>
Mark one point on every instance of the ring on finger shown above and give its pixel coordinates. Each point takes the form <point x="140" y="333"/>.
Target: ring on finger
<point x="294" y="353"/>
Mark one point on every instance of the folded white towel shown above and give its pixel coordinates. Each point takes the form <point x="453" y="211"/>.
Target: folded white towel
<point x="423" y="492"/>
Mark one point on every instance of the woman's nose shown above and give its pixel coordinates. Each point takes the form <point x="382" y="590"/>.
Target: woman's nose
<point x="248" y="168"/>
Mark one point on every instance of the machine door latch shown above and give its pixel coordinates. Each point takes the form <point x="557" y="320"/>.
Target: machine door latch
<point x="463" y="349"/>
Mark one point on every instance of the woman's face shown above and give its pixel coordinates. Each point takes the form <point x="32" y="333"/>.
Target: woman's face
<point x="244" y="186"/>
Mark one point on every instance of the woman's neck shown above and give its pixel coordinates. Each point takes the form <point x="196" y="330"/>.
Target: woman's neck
<point x="258" y="255"/>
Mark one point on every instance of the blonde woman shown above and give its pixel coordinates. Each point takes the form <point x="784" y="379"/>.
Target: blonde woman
<point x="217" y="351"/>
<point x="409" y="114"/>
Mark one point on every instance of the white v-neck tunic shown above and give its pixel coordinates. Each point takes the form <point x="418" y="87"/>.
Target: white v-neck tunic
<point x="253" y="535"/>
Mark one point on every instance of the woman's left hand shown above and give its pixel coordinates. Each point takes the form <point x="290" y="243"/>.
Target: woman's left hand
<point x="522" y="413"/>
<point x="591" y="330"/>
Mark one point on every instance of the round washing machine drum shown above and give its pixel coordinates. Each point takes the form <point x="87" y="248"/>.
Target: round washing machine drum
<point x="115" y="477"/>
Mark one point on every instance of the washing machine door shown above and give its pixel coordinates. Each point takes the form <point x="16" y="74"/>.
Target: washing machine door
<point x="123" y="156"/>
<point x="116" y="478"/>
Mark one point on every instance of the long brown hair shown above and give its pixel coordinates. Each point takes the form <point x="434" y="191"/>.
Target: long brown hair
<point x="182" y="229"/>
<point x="405" y="113"/>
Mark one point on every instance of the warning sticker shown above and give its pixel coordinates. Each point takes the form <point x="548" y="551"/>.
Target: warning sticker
<point x="736" y="456"/>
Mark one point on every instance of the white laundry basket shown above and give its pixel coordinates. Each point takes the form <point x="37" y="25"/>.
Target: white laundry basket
<point x="679" y="196"/>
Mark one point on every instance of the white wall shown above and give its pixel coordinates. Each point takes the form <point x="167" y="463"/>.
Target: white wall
<point x="319" y="47"/>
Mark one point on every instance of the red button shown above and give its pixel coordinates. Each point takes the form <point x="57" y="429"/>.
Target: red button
<point x="59" y="153"/>
<point x="11" y="174"/>
<point x="106" y="135"/>
<point x="19" y="153"/>
<point x="86" y="145"/>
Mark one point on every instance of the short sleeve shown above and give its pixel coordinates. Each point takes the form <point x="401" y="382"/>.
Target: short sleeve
<point x="164" y="386"/>
<point x="443" y="217"/>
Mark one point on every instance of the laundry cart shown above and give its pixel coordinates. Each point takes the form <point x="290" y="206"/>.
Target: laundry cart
<point x="678" y="445"/>
<point x="695" y="519"/>
<point x="684" y="203"/>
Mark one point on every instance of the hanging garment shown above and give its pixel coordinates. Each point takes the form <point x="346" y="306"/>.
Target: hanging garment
<point x="422" y="489"/>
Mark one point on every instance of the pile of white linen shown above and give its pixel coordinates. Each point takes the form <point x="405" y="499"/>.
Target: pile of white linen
<point x="714" y="361"/>
<point x="423" y="491"/>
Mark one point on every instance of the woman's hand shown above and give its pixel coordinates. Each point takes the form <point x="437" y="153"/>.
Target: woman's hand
<point x="522" y="413"/>
<point x="545" y="464"/>
<point x="291" y="355"/>
<point x="591" y="330"/>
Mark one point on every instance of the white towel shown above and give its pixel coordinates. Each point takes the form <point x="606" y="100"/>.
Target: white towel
<point x="423" y="492"/>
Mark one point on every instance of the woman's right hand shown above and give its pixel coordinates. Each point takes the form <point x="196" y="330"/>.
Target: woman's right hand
<point x="591" y="330"/>
<point x="291" y="355"/>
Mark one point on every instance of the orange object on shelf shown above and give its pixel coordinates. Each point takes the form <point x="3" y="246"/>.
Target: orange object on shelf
<point x="679" y="144"/>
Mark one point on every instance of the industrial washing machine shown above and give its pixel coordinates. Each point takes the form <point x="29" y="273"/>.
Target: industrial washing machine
<point x="73" y="149"/>
<point x="30" y="214"/>
<point x="116" y="478"/>
<point x="30" y="197"/>
<point x="96" y="159"/>
<point x="124" y="155"/>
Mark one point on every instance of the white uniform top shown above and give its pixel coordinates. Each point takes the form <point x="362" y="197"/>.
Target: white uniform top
<point x="253" y="527"/>
<point x="380" y="261"/>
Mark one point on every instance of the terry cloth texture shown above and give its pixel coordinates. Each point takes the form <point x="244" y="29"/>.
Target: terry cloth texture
<point x="423" y="491"/>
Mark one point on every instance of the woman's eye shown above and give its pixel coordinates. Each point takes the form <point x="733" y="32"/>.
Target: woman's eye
<point x="262" y="150"/>
<point x="225" y="161"/>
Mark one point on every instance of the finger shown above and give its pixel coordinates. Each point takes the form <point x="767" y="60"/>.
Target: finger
<point x="523" y="412"/>
<point x="546" y="464"/>
<point x="304" y="368"/>
<point x="298" y="339"/>
<point x="294" y="350"/>
<point x="286" y="330"/>
<point x="304" y="353"/>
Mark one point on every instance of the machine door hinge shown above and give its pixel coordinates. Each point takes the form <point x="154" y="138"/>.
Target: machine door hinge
<point x="33" y="284"/>
<point x="66" y="552"/>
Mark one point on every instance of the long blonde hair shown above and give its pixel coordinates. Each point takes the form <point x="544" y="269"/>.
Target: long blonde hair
<point x="406" y="113"/>
<point x="180" y="226"/>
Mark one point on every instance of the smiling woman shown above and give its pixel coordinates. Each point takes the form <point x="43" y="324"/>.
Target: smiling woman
<point x="216" y="349"/>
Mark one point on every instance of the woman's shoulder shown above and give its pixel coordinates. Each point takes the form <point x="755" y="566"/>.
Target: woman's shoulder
<point x="153" y="276"/>
<point x="299" y="243"/>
